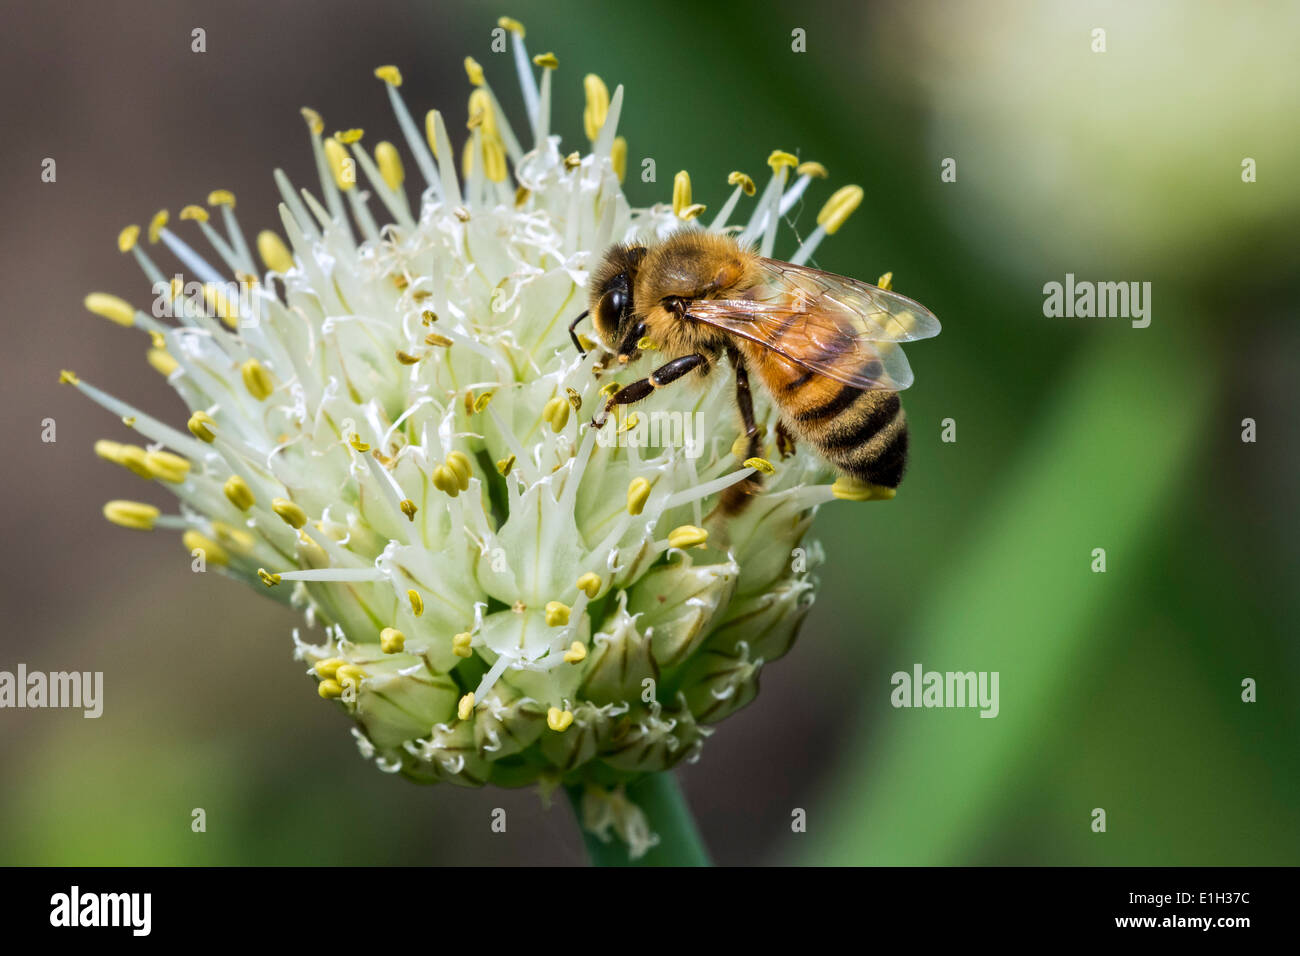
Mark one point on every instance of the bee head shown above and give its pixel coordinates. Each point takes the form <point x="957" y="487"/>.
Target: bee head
<point x="611" y="301"/>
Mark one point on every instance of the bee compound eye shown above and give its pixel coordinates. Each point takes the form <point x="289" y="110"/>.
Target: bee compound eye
<point x="609" y="312"/>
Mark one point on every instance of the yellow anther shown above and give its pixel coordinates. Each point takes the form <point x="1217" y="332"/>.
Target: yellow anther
<point x="221" y="197"/>
<point x="111" y="307"/>
<point x="212" y="552"/>
<point x="630" y="422"/>
<point x="438" y="341"/>
<point x="687" y="536"/>
<point x="761" y="465"/>
<point x="131" y="514"/>
<point x="586" y="343"/>
<point x="355" y="441"/>
<point x="406" y="358"/>
<point x="330" y="689"/>
<point x="459" y="462"/>
<point x="460" y="644"/>
<point x="197" y="213"/>
<point x="556" y="411"/>
<point x="257" y="379"/>
<point x="389" y="161"/>
<point x="511" y="24"/>
<point x="128" y="421"/>
<point x="340" y="164"/>
<point x="428" y="316"/>
<point x="494" y="159"/>
<point x="743" y="180"/>
<point x="608" y="389"/>
<point x="547" y="61"/>
<point x="431" y="131"/>
<point x="681" y="192"/>
<point x="219" y="305"/>
<point x="275" y="254"/>
<point x="200" y="426"/>
<point x="505" y="464"/>
<point x="481" y="402"/>
<point x="851" y="489"/>
<point x="886" y="281"/>
<point x="314" y="121"/>
<point x="267" y="578"/>
<point x="391" y="640"/>
<point x="68" y="377"/>
<point x="238" y="492"/>
<point x="572" y="161"/>
<point x="575" y="399"/>
<point x="780" y="157"/>
<point x="589" y="584"/>
<point x="328" y="667"/>
<point x="234" y="539"/>
<point x="692" y="211"/>
<point x="290" y="513"/>
<point x="417" y="602"/>
<point x="350" y="674"/>
<point x="465" y="707"/>
<point x="597" y="109"/>
<point x="389" y="74"/>
<point x="839" y="207"/>
<point x="559" y="720"/>
<point x="349" y="136"/>
<point x="647" y="344"/>
<point x="408" y="508"/>
<point x="445" y="480"/>
<point x="474" y="71"/>
<point x="618" y="157"/>
<point x="557" y="614"/>
<point x="480" y="113"/>
<point x="157" y="224"/>
<point x="127" y="238"/>
<point x="576" y="654"/>
<point x="109" y="450"/>
<point x="165" y="466"/>
<point x="133" y="458"/>
<point x="815" y="170"/>
<point x="158" y="340"/>
<point x="638" y="493"/>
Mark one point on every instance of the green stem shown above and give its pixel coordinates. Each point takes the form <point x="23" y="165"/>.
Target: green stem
<point x="661" y="800"/>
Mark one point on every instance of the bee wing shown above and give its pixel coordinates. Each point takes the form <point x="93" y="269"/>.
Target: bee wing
<point x="837" y="327"/>
<point x="879" y="314"/>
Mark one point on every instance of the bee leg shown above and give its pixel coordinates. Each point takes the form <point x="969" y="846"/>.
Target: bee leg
<point x="737" y="496"/>
<point x="745" y="400"/>
<point x="785" y="443"/>
<point x="663" y="375"/>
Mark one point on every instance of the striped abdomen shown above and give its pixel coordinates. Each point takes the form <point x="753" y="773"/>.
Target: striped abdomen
<point x="863" y="432"/>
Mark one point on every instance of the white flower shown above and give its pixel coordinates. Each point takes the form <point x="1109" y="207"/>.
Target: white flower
<point x="389" y="430"/>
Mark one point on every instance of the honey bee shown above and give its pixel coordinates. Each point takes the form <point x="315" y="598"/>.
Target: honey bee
<point x="824" y="347"/>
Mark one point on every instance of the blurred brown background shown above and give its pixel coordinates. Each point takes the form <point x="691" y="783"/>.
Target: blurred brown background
<point x="205" y="706"/>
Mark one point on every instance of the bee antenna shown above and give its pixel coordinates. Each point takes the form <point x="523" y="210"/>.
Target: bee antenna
<point x="574" y="335"/>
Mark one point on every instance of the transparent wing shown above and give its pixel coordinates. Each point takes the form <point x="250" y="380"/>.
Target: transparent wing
<point x="831" y="325"/>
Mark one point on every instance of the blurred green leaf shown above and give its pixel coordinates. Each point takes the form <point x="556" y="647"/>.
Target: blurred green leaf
<point x="1022" y="601"/>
